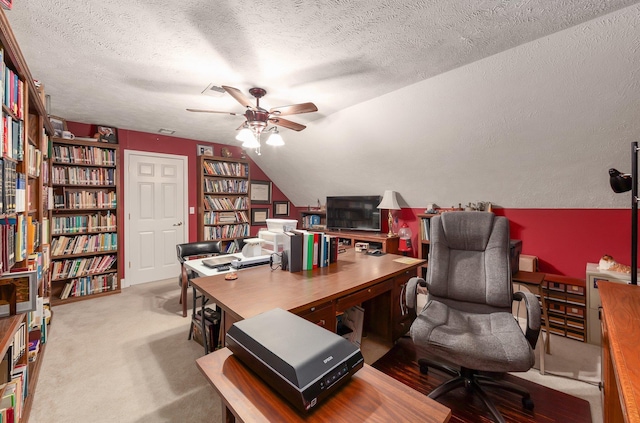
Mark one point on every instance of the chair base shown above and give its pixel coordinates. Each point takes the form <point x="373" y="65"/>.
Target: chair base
<point x="473" y="382"/>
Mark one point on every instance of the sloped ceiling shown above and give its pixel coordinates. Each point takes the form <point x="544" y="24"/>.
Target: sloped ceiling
<point x="447" y="102"/>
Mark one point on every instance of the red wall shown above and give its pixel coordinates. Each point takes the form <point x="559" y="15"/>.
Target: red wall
<point x="564" y="240"/>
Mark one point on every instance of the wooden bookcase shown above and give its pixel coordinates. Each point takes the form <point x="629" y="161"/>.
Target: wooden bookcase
<point x="424" y="227"/>
<point x="376" y="240"/>
<point x="85" y="258"/>
<point x="306" y="218"/>
<point x="23" y="217"/>
<point x="225" y="206"/>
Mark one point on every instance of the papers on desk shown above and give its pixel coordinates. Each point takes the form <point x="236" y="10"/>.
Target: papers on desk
<point x="407" y="260"/>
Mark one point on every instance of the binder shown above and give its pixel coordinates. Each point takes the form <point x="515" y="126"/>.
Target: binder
<point x="293" y="251"/>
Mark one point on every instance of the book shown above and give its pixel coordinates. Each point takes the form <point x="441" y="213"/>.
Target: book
<point x="293" y="251"/>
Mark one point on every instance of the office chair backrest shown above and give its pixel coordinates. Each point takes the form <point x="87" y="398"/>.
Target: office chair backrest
<point x="200" y="248"/>
<point x="469" y="259"/>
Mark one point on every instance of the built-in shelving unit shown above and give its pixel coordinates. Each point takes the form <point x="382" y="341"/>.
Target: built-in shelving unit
<point x="424" y="221"/>
<point x="23" y="225"/>
<point x="84" y="226"/>
<point x="223" y="189"/>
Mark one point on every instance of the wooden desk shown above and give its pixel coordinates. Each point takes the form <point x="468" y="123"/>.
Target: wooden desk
<point x="620" y="352"/>
<point x="376" y="282"/>
<point x="370" y="396"/>
<point x="535" y="281"/>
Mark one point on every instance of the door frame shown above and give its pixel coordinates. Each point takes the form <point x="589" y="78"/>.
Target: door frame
<point x="127" y="196"/>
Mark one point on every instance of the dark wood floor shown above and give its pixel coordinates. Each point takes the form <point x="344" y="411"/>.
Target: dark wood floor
<point x="550" y="405"/>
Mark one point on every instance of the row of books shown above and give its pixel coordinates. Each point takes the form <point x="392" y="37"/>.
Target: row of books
<point x="80" y="244"/>
<point x="217" y="218"/>
<point x="86" y="154"/>
<point x="83" y="199"/>
<point x="226" y="231"/>
<point x="232" y="186"/>
<point x="84" y="223"/>
<point x="12" y="137"/>
<point x="34" y="162"/>
<point x="83" y="176"/>
<point x="308" y="250"/>
<point x="218" y="203"/>
<point x="71" y="268"/>
<point x="215" y="168"/>
<point x="425" y="229"/>
<point x="13" y="88"/>
<point x="8" y="177"/>
<point x="89" y="285"/>
<point x="7" y="245"/>
<point x="310" y="220"/>
<point x="14" y="378"/>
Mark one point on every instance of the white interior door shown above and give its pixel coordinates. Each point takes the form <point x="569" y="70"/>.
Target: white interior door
<point x="155" y="215"/>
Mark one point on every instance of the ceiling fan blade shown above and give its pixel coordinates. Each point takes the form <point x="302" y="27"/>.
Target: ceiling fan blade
<point x="287" y="124"/>
<point x="294" y="109"/>
<point x="240" y="98"/>
<point x="214" y="111"/>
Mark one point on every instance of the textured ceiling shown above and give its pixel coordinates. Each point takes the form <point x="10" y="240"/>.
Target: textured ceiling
<point x="139" y="64"/>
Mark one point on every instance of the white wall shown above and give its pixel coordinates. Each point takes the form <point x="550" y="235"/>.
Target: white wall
<point x="535" y="126"/>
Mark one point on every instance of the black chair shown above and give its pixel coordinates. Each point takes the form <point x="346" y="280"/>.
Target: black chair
<point x="467" y="320"/>
<point x="185" y="252"/>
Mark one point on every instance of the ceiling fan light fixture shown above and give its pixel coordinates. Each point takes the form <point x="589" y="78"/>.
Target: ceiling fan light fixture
<point x="275" y="138"/>
<point x="245" y="135"/>
<point x="251" y="143"/>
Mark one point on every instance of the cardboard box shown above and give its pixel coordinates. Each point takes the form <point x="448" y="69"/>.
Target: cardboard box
<point x="528" y="263"/>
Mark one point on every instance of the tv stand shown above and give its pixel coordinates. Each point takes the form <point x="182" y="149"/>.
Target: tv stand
<point x="375" y="239"/>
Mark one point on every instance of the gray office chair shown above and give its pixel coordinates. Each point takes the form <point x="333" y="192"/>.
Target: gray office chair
<point x="467" y="320"/>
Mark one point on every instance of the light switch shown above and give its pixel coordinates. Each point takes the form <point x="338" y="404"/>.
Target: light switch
<point x="192" y="210"/>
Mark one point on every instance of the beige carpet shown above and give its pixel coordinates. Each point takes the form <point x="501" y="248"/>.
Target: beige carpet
<point x="125" y="358"/>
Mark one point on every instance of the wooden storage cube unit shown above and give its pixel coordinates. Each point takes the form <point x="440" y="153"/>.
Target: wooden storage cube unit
<point x="348" y="239"/>
<point x="566" y="301"/>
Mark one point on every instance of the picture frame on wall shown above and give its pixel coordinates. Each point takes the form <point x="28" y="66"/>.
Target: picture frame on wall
<point x="259" y="216"/>
<point x="21" y="288"/>
<point x="205" y="150"/>
<point x="260" y="192"/>
<point x="107" y="134"/>
<point x="59" y="125"/>
<point x="281" y="208"/>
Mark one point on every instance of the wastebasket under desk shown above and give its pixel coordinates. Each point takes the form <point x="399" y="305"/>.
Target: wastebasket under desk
<point x="594" y="335"/>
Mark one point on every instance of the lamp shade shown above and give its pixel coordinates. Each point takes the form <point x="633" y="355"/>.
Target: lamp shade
<point x="245" y="135"/>
<point x="275" y="139"/>
<point x="620" y="182"/>
<point x="389" y="201"/>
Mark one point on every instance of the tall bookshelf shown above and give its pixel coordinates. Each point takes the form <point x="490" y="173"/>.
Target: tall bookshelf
<point x="85" y="258"/>
<point x="423" y="241"/>
<point x="23" y="219"/>
<point x="225" y="208"/>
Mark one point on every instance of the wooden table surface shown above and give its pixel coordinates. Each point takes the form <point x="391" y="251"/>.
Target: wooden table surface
<point x="369" y="396"/>
<point x="260" y="289"/>
<point x="621" y="308"/>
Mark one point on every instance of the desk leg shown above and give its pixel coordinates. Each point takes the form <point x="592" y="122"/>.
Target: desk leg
<point x="227" y="415"/>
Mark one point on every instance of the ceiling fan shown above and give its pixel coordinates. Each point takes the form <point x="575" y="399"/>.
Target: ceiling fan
<point x="258" y="119"/>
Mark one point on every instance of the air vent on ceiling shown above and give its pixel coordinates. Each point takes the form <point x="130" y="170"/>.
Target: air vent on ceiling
<point x="166" y="131"/>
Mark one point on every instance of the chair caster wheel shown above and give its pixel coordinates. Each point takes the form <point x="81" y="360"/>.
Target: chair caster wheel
<point x="527" y="403"/>
<point x="424" y="369"/>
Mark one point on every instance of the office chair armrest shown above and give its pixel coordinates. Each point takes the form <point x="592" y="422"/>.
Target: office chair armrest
<point x="411" y="293"/>
<point x="533" y="315"/>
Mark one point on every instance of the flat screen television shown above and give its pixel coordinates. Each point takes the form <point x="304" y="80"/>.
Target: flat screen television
<point x="354" y="212"/>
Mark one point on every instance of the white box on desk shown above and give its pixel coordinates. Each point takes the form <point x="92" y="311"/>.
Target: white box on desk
<point x="281" y="225"/>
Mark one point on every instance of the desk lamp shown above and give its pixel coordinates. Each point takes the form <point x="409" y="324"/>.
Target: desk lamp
<point x="621" y="182"/>
<point x="389" y="202"/>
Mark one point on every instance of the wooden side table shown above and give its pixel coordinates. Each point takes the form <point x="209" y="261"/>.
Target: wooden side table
<point x="369" y="396"/>
<point x="535" y="281"/>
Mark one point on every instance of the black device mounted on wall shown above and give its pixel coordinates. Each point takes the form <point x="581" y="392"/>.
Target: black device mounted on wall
<point x="302" y="361"/>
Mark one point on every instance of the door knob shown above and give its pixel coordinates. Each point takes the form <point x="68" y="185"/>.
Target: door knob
<point x="177" y="224"/>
